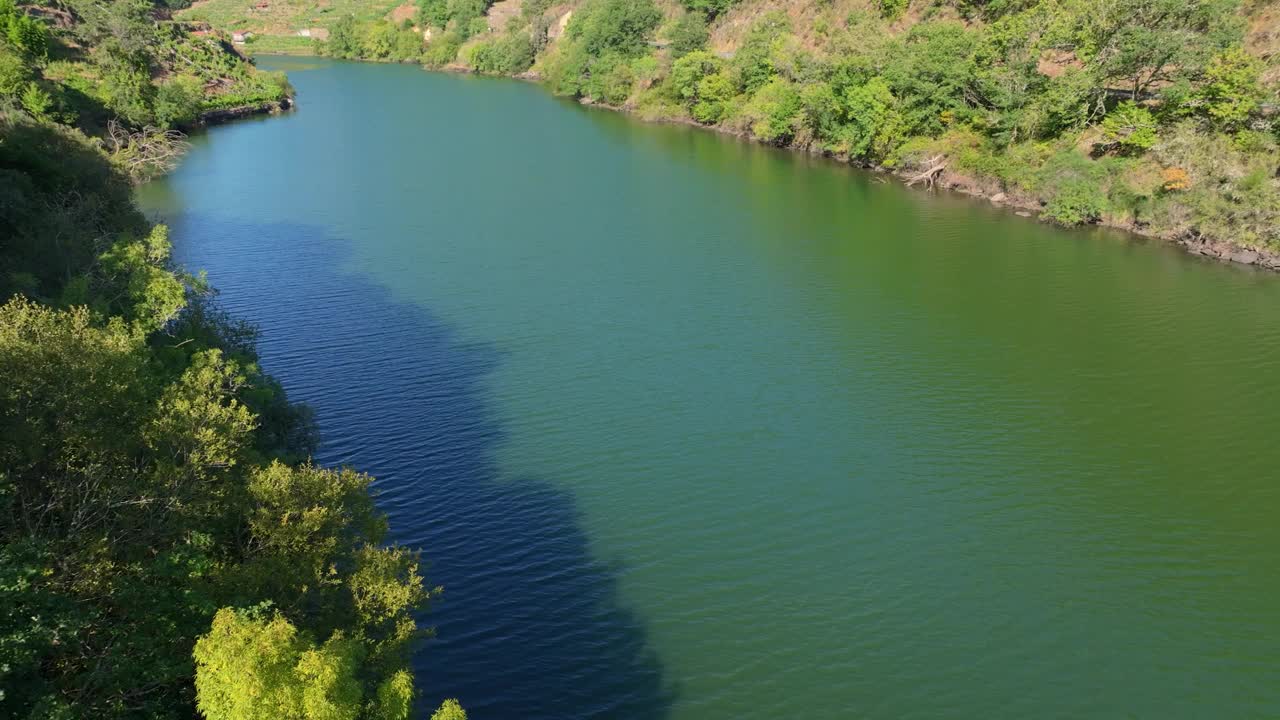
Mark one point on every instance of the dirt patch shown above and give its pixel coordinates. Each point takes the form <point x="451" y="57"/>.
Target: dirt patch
<point x="501" y="13"/>
<point x="400" y="13"/>
<point x="1263" y="39"/>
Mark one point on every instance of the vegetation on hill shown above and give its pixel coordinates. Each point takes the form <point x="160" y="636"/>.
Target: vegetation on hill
<point x="121" y="70"/>
<point x="166" y="547"/>
<point x="1157" y="115"/>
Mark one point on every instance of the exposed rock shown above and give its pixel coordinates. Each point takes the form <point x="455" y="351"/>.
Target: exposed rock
<point x="999" y="198"/>
<point x="560" y="25"/>
<point x="1245" y="257"/>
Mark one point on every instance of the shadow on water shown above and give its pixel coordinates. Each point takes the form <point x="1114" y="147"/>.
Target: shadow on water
<point x="531" y="625"/>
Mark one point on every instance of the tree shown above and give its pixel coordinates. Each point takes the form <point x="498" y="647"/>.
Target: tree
<point x="932" y="72"/>
<point x="874" y="125"/>
<point x="251" y="666"/>
<point x="688" y="34"/>
<point x="1139" y="43"/>
<point x="753" y="63"/>
<point x="344" y="39"/>
<point x="1130" y="127"/>
<point x="615" y="26"/>
<point x="1232" y="91"/>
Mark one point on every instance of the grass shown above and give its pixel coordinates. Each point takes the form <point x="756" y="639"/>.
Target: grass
<point x="280" y="45"/>
<point x="283" y="17"/>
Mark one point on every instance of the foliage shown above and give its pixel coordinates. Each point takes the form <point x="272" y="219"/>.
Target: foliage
<point x="1130" y="127"/>
<point x="161" y="548"/>
<point x="774" y="112"/>
<point x="624" y="27"/>
<point x="709" y="8"/>
<point x="1232" y="92"/>
<point x="893" y="8"/>
<point x="932" y="71"/>
<point x="754" y="62"/>
<point x="688" y="34"/>
<point x="442" y="50"/>
<point x="508" y="55"/>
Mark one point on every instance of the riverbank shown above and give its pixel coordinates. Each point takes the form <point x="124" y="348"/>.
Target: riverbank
<point x="987" y="190"/>
<point x="225" y="115"/>
<point x="933" y="168"/>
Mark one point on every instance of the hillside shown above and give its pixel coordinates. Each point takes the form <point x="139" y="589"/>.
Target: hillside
<point x="167" y="550"/>
<point x="124" y="72"/>
<point x="1159" y="116"/>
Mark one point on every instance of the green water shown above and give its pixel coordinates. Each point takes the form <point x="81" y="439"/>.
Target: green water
<point x="696" y="429"/>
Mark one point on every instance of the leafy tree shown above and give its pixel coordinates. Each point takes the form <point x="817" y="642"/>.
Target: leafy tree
<point x="178" y="101"/>
<point x="433" y="13"/>
<point x="874" y="126"/>
<point x="753" y="63"/>
<point x="450" y="710"/>
<point x="933" y="71"/>
<point x="1130" y="127"/>
<point x="1232" y="91"/>
<point x="29" y="35"/>
<point x="688" y="34"/>
<point x="699" y="82"/>
<point x="709" y="8"/>
<point x="344" y="39"/>
<point x="615" y="26"/>
<point x="36" y="101"/>
<point x="1139" y="43"/>
<point x="249" y="666"/>
<point x="775" y="111"/>
<point x="893" y="9"/>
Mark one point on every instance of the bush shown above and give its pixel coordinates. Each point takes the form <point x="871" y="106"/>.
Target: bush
<point x="688" y="34"/>
<point x="179" y="101"/>
<point x="1130" y="128"/>
<point x="893" y="9"/>
<point x="1232" y="92"/>
<point x="442" y="50"/>
<point x="509" y="55"/>
<point x="1076" y="202"/>
<point x="774" y="113"/>
<point x="624" y="27"/>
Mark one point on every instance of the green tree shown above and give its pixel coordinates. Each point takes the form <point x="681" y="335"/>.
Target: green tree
<point x="874" y="126"/>
<point x="1232" y="91"/>
<point x="1130" y="127"/>
<point x="775" y="112"/>
<point x="932" y="71"/>
<point x="688" y="34"/>
<point x="624" y="27"/>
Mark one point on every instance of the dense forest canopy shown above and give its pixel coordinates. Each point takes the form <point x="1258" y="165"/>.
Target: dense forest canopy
<point x="166" y="547"/>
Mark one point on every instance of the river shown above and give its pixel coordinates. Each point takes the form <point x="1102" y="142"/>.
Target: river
<point x="692" y="428"/>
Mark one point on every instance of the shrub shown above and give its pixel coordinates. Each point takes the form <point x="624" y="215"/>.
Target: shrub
<point x="1130" y="128"/>
<point x="442" y="50"/>
<point x="688" y="34"/>
<point x="893" y="9"/>
<point x="774" y="112"/>
<point x="1232" y="91"/>
<point x="1076" y="202"/>
<point x="715" y="92"/>
<point x="178" y="101"/>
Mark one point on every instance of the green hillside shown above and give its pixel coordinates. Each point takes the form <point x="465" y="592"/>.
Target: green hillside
<point x="1154" y="115"/>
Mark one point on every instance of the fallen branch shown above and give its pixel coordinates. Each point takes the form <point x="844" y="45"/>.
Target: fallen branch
<point x="933" y="168"/>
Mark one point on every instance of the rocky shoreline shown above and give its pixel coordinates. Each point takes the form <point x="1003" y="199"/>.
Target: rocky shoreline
<point x="223" y="115"/>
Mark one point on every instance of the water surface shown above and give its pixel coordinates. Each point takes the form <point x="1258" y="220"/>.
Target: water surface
<point x="690" y="428"/>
